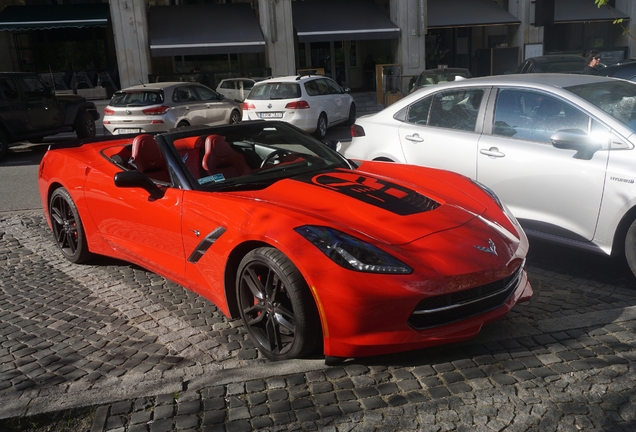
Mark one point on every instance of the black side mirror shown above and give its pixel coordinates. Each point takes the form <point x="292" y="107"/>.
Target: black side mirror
<point x="135" y="179"/>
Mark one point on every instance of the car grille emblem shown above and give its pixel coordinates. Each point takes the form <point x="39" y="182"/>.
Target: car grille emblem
<point x="490" y="249"/>
<point x="128" y="112"/>
<point x="269" y="106"/>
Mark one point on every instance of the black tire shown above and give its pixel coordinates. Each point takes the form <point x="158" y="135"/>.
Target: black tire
<point x="352" y="115"/>
<point x="84" y="125"/>
<point x="235" y="117"/>
<point x="67" y="227"/>
<point x="630" y="247"/>
<point x="321" y="127"/>
<point x="183" y="124"/>
<point x="4" y="145"/>
<point x="276" y="305"/>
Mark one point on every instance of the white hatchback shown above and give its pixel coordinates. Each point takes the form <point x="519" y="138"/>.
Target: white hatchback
<point x="311" y="103"/>
<point x="558" y="149"/>
<point x="235" y="88"/>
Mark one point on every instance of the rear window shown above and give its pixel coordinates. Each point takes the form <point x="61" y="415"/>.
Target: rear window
<point x="275" y="91"/>
<point x="136" y="98"/>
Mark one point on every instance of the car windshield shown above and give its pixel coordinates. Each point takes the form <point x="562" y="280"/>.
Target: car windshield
<point x="275" y="90"/>
<point x="249" y="156"/>
<point x="136" y="98"/>
<point x="617" y="98"/>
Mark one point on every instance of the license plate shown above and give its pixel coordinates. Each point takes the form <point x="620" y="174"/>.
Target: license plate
<point x="128" y="131"/>
<point x="272" y="115"/>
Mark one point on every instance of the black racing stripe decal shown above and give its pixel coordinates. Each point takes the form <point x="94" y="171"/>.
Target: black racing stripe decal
<point x="205" y="244"/>
<point x="377" y="192"/>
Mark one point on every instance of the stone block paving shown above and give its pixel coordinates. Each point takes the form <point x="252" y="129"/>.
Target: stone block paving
<point x="151" y="356"/>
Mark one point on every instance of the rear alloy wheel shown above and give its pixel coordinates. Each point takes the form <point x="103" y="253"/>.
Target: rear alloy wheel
<point x="67" y="227"/>
<point x="84" y="125"/>
<point x="183" y="124"/>
<point x="321" y="127"/>
<point x="630" y="247"/>
<point x="276" y="305"/>
<point x="235" y="117"/>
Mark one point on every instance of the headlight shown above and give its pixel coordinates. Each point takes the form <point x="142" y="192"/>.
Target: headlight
<point x="500" y="204"/>
<point x="351" y="253"/>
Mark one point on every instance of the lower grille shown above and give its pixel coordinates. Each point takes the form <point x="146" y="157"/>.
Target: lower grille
<point x="449" y="308"/>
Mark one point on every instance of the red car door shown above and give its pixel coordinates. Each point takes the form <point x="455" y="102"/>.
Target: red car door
<point x="141" y="229"/>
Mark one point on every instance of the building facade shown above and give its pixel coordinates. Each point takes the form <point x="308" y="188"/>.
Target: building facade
<point x="133" y="41"/>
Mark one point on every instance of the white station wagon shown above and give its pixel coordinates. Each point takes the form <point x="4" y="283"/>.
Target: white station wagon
<point x="311" y="103"/>
<point x="558" y="149"/>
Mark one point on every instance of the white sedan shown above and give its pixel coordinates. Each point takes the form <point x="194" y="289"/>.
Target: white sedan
<point x="558" y="149"/>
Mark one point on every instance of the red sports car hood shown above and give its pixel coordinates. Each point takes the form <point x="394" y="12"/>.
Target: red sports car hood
<point x="389" y="210"/>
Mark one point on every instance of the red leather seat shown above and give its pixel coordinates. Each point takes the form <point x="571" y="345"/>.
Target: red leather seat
<point x="147" y="157"/>
<point x="189" y="150"/>
<point x="221" y="158"/>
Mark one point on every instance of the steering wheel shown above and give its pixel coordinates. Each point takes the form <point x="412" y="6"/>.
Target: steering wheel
<point x="275" y="154"/>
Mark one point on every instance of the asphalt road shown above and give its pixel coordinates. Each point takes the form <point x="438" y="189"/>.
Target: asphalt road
<point x="151" y="356"/>
<point x="18" y="170"/>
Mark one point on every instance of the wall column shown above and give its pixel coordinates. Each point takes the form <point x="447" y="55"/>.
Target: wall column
<point x="130" y="29"/>
<point x="410" y="16"/>
<point x="278" y="28"/>
<point x="526" y="33"/>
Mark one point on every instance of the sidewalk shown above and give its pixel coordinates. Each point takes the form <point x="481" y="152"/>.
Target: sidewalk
<point x="151" y="356"/>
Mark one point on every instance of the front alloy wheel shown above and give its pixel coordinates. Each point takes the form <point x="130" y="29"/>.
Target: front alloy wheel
<point x="276" y="305"/>
<point x="67" y="227"/>
<point x="630" y="247"/>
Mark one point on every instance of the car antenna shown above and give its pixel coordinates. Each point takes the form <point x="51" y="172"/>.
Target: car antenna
<point x="142" y="83"/>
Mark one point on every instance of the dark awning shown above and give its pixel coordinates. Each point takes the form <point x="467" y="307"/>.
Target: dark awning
<point x="204" y="29"/>
<point x="573" y="11"/>
<point x="467" y="13"/>
<point x="44" y="17"/>
<point x="341" y="20"/>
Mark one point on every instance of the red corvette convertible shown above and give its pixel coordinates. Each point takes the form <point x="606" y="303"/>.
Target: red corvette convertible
<point x="312" y="251"/>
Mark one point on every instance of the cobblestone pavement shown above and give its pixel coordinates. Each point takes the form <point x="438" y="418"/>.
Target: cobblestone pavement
<point x="151" y="356"/>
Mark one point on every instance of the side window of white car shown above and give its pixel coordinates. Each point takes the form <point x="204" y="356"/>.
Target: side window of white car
<point x="418" y="112"/>
<point x="456" y="109"/>
<point x="333" y="87"/>
<point x="534" y="116"/>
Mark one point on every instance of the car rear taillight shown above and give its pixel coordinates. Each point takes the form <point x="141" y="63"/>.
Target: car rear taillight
<point x="156" y="122"/>
<point x="357" y="131"/>
<point x="248" y="106"/>
<point x="108" y="111"/>
<point x="301" y="104"/>
<point x="156" y="110"/>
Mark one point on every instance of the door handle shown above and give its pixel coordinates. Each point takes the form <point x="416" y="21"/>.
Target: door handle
<point x="414" y="138"/>
<point x="492" y="152"/>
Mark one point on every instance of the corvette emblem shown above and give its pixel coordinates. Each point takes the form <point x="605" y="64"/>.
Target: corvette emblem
<point x="490" y="249"/>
